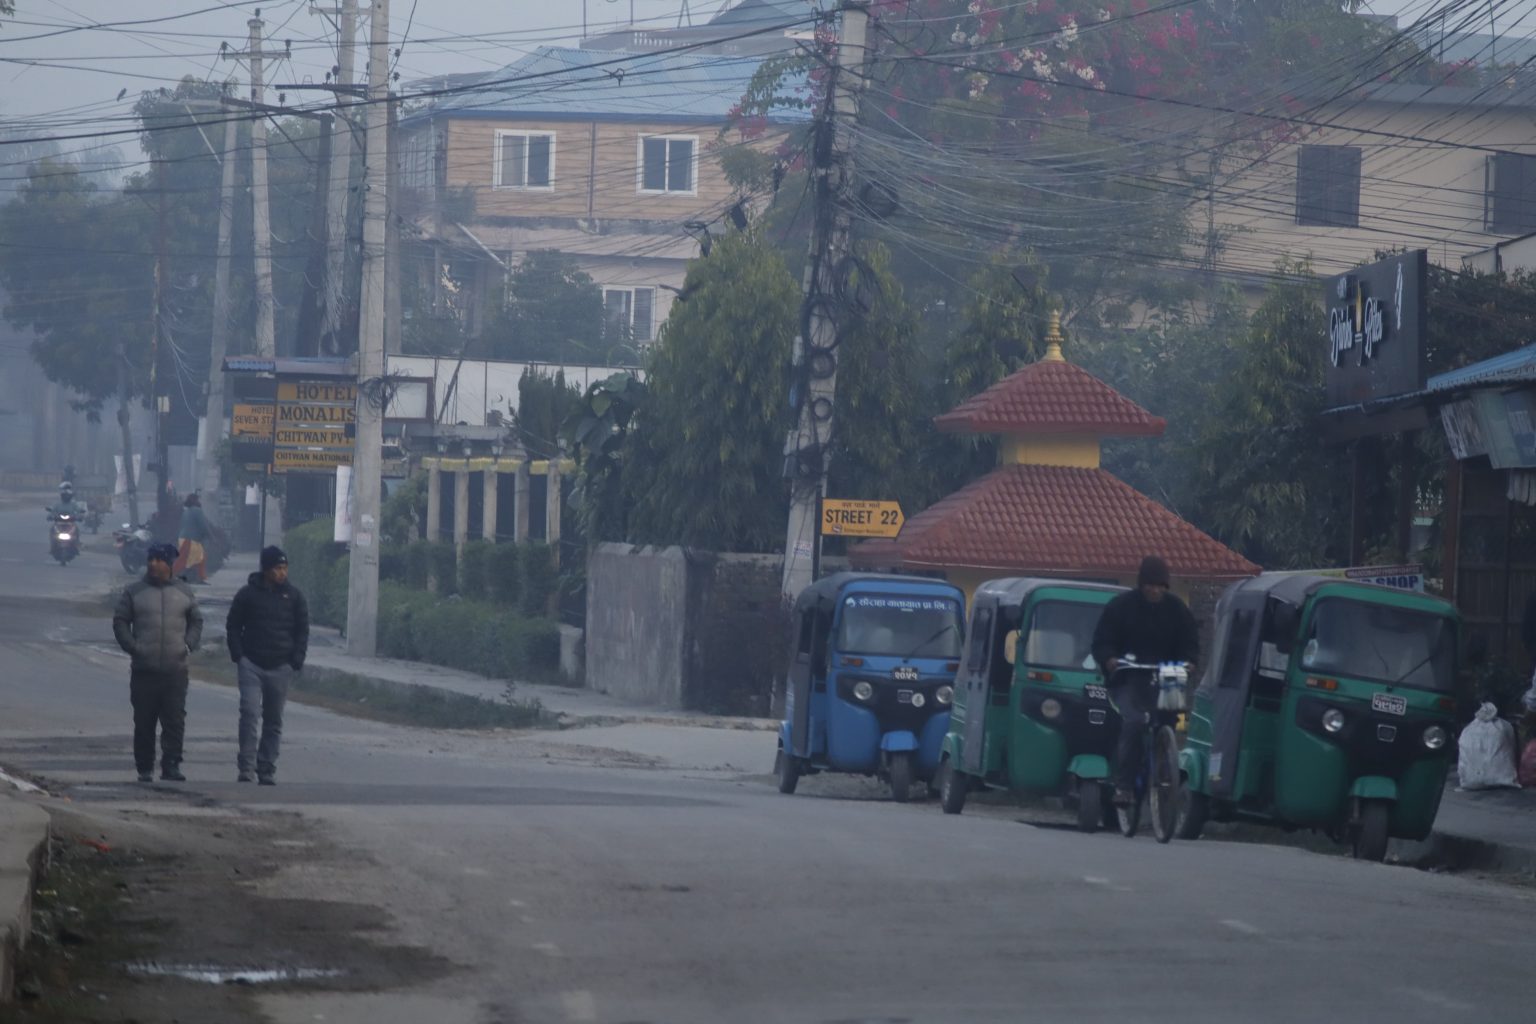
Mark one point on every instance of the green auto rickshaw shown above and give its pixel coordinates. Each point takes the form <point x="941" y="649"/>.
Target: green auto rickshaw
<point x="1326" y="704"/>
<point x="1030" y="709"/>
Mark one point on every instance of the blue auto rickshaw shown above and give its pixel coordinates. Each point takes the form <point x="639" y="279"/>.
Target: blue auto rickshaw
<point x="871" y="678"/>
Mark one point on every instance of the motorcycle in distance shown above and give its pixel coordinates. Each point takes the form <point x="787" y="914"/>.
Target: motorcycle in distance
<point x="132" y="544"/>
<point x="1328" y="704"/>
<point x="871" y="672"/>
<point x="63" y="536"/>
<point x="1158" y="782"/>
<point x="1031" y="713"/>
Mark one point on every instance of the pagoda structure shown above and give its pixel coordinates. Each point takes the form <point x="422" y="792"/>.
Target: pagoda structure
<point x="1050" y="509"/>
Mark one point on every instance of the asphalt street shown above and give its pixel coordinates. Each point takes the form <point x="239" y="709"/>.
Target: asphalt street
<point x="652" y="874"/>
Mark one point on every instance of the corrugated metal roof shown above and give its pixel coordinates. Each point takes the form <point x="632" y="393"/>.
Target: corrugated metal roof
<point x="1511" y="367"/>
<point x="558" y="81"/>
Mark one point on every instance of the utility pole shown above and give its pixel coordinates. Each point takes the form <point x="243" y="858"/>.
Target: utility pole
<point x="261" y="216"/>
<point x="815" y="363"/>
<point x="339" y="186"/>
<point x="159" y="395"/>
<point x="363" y="572"/>
<point x="213" y="426"/>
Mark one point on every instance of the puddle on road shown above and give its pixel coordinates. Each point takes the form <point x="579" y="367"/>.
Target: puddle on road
<point x="215" y="974"/>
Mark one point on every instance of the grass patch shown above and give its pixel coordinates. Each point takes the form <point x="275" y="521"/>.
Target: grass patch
<point x="394" y="703"/>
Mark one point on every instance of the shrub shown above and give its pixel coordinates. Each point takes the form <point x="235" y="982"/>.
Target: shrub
<point x="392" y="559"/>
<point x="311" y="555"/>
<point x="539" y="578"/>
<point x="475" y="570"/>
<point x="443" y="561"/>
<point x="505" y="574"/>
<point x="418" y="565"/>
<point x="337" y="590"/>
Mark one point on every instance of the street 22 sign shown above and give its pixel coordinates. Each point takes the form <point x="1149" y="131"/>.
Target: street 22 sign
<point x="1376" y="330"/>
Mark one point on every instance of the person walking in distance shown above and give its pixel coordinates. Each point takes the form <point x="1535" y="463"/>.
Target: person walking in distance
<point x="158" y="623"/>
<point x="268" y="636"/>
<point x="193" y="536"/>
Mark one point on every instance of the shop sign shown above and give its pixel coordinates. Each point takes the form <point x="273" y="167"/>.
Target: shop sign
<point x="315" y="423"/>
<point x="1463" y="430"/>
<point x="1398" y="577"/>
<point x="1376" y="330"/>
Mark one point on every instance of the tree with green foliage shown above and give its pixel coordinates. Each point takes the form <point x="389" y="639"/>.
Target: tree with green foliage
<point x="1262" y="486"/>
<point x="553" y="313"/>
<point x="706" y="450"/>
<point x="597" y="432"/>
<point x="544" y="403"/>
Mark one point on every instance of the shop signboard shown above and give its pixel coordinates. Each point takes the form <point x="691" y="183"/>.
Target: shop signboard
<point x="314" y="425"/>
<point x="1376" y="330"/>
<point x="1398" y="577"/>
<point x="1463" y="431"/>
<point x="1493" y="416"/>
<point x="1520" y="409"/>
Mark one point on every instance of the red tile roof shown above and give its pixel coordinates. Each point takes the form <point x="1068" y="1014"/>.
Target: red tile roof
<point x="1052" y="520"/>
<point x="1051" y="397"/>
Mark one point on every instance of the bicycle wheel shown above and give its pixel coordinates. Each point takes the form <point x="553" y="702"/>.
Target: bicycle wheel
<point x="1163" y="791"/>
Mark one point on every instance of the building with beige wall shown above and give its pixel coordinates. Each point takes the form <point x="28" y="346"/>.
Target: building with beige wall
<point x="613" y="158"/>
<point x="1448" y="168"/>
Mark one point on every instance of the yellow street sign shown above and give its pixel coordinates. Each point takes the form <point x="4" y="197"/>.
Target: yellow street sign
<point x="323" y="437"/>
<point x="314" y="392"/>
<point x="842" y="517"/>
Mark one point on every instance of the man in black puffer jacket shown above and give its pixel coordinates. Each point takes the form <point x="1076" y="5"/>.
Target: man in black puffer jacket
<point x="158" y="623"/>
<point x="268" y="637"/>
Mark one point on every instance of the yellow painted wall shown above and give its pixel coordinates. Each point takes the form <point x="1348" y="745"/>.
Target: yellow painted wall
<point x="1076" y="450"/>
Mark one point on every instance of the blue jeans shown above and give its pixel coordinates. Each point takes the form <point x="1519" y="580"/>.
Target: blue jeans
<point x="263" y="693"/>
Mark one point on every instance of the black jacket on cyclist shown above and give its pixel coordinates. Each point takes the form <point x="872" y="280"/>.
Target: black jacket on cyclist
<point x="1153" y="631"/>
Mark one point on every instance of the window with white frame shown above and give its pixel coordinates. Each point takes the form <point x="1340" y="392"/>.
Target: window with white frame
<point x="524" y="160"/>
<point x="630" y="314"/>
<point x="669" y="163"/>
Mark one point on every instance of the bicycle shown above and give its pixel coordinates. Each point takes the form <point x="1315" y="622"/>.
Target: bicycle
<point x="1158" y="780"/>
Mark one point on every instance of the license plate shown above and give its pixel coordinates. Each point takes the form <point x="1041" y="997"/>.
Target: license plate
<point x="1389" y="704"/>
<point x="905" y="673"/>
<point x="1096" y="692"/>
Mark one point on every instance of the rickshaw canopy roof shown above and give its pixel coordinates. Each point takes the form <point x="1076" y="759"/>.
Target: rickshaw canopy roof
<point x="1294" y="588"/>
<point x="1014" y="591"/>
<point x="822" y="596"/>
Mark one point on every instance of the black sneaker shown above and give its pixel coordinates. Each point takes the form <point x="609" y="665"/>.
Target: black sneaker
<point x="172" y="775"/>
<point x="146" y="776"/>
<point x="266" y="780"/>
<point x="246" y="777"/>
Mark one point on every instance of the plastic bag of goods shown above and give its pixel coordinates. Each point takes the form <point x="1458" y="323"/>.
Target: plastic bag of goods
<point x="1487" y="752"/>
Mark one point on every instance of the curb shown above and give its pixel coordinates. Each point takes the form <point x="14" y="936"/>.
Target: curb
<point x="24" y="833"/>
<point x="1464" y="853"/>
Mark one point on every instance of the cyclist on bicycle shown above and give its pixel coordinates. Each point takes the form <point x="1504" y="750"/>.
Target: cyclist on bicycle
<point x="1151" y="626"/>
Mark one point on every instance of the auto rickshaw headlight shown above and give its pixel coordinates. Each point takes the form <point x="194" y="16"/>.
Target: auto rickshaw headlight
<point x="863" y="690"/>
<point x="1333" y="720"/>
<point x="1050" y="708"/>
<point x="945" y="695"/>
<point x="1435" y="737"/>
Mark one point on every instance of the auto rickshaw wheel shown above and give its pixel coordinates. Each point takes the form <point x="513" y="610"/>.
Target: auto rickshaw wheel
<point x="787" y="769"/>
<point x="952" y="788"/>
<point x="1090" y="805"/>
<point x="1371" y="830"/>
<point x="1194" y="812"/>
<point x="901" y="777"/>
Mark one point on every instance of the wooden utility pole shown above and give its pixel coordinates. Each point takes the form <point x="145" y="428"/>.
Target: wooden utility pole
<point x="815" y="365"/>
<point x="363" y="572"/>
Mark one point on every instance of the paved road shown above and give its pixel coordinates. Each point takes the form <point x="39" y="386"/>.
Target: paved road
<point x="625" y="876"/>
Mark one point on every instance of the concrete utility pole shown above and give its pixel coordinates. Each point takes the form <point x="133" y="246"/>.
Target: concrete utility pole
<point x="159" y="392"/>
<point x="339" y="188"/>
<point x="805" y="453"/>
<point x="261" y="216"/>
<point x="213" y="426"/>
<point x="363" y="578"/>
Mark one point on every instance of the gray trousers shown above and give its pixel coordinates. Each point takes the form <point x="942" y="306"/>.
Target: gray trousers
<point x="263" y="692"/>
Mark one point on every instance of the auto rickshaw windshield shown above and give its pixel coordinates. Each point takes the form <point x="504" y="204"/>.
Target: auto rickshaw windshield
<point x="1381" y="643"/>
<point x="896" y="626"/>
<point x="1061" y="634"/>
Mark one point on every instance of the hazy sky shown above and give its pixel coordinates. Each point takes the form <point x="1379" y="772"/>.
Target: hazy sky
<point x="64" y="62"/>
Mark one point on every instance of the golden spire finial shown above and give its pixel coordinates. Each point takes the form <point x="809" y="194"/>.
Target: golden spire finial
<point x="1053" y="340"/>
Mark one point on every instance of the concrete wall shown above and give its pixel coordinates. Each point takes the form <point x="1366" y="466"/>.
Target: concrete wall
<point x="685" y="629"/>
<point x="636" y="613"/>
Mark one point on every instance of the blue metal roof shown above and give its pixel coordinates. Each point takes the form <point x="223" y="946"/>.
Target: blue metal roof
<point x="564" y="82"/>
<point x="1511" y="367"/>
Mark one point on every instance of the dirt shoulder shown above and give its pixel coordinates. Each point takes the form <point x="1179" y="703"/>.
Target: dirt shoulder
<point x="132" y="912"/>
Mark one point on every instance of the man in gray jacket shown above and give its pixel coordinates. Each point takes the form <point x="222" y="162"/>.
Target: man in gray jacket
<point x="159" y="624"/>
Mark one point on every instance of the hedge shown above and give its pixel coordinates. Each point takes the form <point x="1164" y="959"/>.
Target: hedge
<point x="487" y="637"/>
